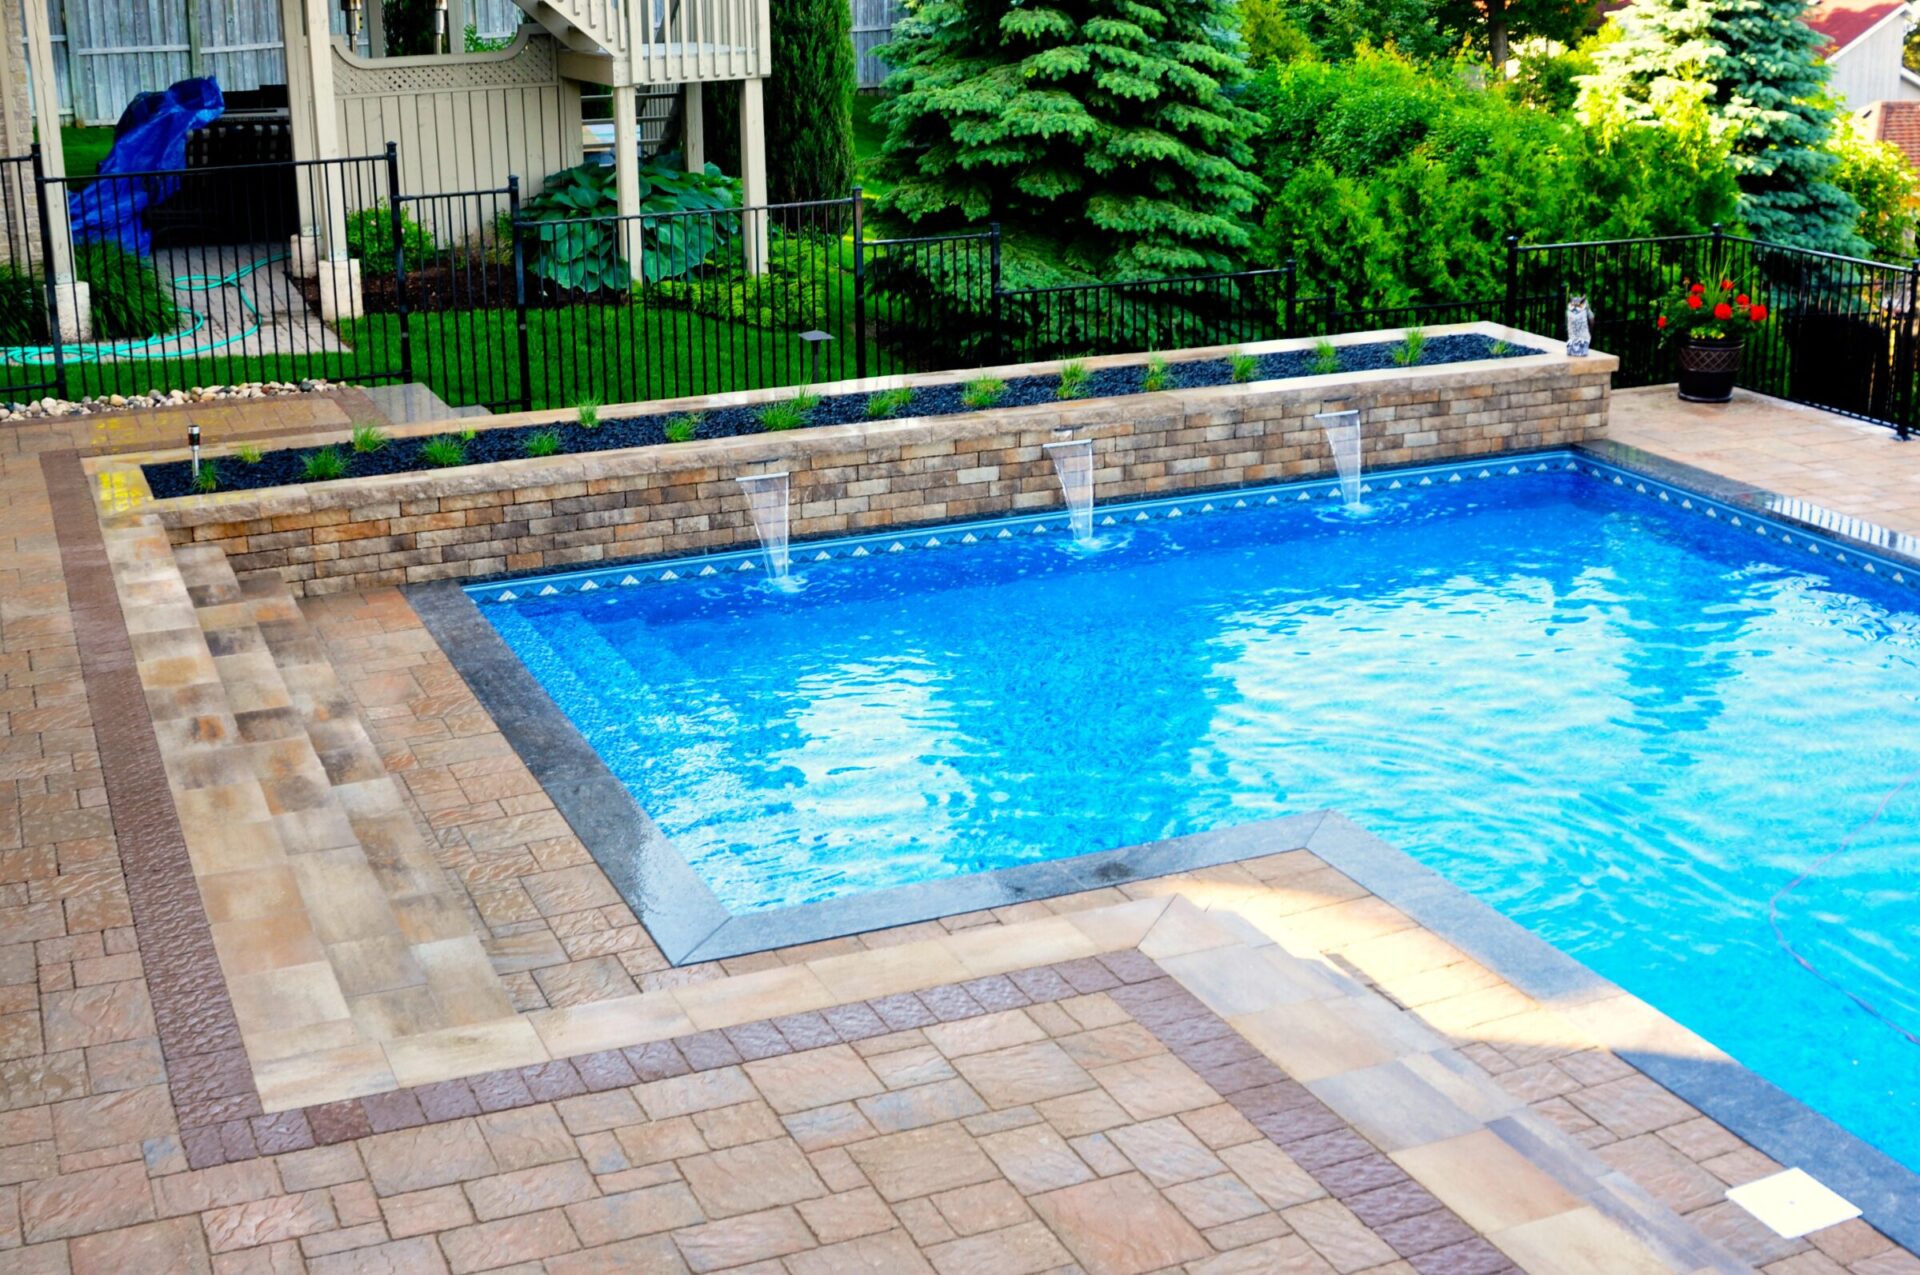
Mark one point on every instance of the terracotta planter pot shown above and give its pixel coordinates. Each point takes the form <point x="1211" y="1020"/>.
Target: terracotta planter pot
<point x="1708" y="369"/>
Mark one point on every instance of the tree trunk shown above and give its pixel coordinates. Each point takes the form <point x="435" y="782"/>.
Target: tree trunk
<point x="1497" y="34"/>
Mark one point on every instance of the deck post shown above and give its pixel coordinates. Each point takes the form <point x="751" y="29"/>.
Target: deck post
<point x="321" y="247"/>
<point x="753" y="170"/>
<point x="73" y="304"/>
<point x="693" y="116"/>
<point x="626" y="174"/>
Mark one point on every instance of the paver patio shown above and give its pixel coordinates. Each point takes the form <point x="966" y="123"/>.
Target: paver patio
<point x="1258" y="1067"/>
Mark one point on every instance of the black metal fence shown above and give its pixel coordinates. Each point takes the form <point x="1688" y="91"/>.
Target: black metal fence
<point x="176" y="280"/>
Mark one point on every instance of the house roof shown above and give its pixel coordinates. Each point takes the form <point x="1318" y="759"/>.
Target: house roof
<point x="1844" y="21"/>
<point x="1841" y="21"/>
<point x="1897" y="122"/>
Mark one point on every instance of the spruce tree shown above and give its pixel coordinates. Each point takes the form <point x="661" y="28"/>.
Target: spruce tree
<point x="809" y="101"/>
<point x="1108" y="129"/>
<point x="1765" y="87"/>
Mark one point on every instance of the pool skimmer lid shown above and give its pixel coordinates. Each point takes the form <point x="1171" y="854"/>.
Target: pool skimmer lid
<point x="1793" y="1203"/>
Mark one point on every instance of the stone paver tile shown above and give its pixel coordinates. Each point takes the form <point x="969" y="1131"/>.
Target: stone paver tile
<point x="922" y="1161"/>
<point x="416" y="1256"/>
<point x="882" y="1254"/>
<point x="81" y="1203"/>
<point x="1577" y="1242"/>
<point x="847" y="1215"/>
<point x="986" y="1207"/>
<point x="433" y="1155"/>
<point x="175" y="1246"/>
<point x="740" y="1123"/>
<point x="623" y="1216"/>
<point x="698" y="1091"/>
<point x="1664" y="1172"/>
<point x="736" y="1241"/>
<point x="906" y="1068"/>
<point x="1077" y="1115"/>
<point x="1280" y="1255"/>
<point x="644" y="1255"/>
<point x="526" y="1238"/>
<point x="1488" y="1183"/>
<point x="1017" y="1250"/>
<point x="278" y="1217"/>
<point x="439" y="1208"/>
<point x="1165" y="1150"/>
<point x="1036" y="1159"/>
<point x="922" y="1105"/>
<point x="1119" y="1226"/>
<point x="751" y="1178"/>
<point x="1338" y="1236"/>
<point x="527" y="1190"/>
<point x="815" y="1078"/>
<point x="984" y="1033"/>
<point x="1157" y="1086"/>
<point x="1023" y="1074"/>
<point x="1273" y="1174"/>
<point x="1215" y="1201"/>
<point x="528" y="1136"/>
<point x="1632" y="1106"/>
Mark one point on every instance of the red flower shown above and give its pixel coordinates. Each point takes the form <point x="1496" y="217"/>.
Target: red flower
<point x="1723" y="311"/>
<point x="1726" y="285"/>
<point x="1742" y="299"/>
<point x="1660" y="322"/>
<point x="1697" y="289"/>
<point x="1694" y="302"/>
<point x="1757" y="313"/>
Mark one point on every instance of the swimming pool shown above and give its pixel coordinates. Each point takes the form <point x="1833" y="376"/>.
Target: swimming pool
<point x="1623" y="715"/>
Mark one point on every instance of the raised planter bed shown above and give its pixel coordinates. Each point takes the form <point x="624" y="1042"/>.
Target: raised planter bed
<point x="623" y="429"/>
<point x="630" y="503"/>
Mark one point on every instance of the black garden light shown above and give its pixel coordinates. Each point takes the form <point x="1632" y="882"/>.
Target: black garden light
<point x="816" y="340"/>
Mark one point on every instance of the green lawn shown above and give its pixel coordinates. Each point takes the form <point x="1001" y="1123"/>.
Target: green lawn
<point x="868" y="136"/>
<point x="85" y="148"/>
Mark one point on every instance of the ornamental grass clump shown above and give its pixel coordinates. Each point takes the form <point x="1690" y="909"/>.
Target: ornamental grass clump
<point x="1245" y="368"/>
<point x="983" y="393"/>
<point x="247" y="454"/>
<point x="544" y="443"/>
<point x="443" y="452"/>
<point x="1073" y="380"/>
<point x="208" y="479"/>
<point x="1326" y="358"/>
<point x="791" y="414"/>
<point x="682" y="428"/>
<point x="588" y="410"/>
<point x="1700" y="310"/>
<point x="1407" y="353"/>
<point x="1158" y="376"/>
<point x="325" y="465"/>
<point x="367" y="438"/>
<point x="884" y="404"/>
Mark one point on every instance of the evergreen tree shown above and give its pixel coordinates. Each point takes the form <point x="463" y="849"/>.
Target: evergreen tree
<point x="809" y="101"/>
<point x="1764" y="86"/>
<point x="1106" y="128"/>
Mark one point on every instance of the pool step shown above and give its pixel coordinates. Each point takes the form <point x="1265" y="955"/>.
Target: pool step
<point x="399" y="937"/>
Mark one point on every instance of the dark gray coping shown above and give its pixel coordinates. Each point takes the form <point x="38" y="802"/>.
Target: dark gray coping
<point x="680" y="911"/>
<point x="1766" y="1116"/>
<point x="690" y="924"/>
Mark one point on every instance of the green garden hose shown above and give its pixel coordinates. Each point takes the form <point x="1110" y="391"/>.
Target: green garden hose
<point x="102" y="351"/>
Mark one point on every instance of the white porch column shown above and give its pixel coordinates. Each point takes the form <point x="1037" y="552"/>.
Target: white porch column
<point x="693" y="115"/>
<point x="753" y="170"/>
<point x="73" y="309"/>
<point x="626" y="172"/>
<point x="459" y="13"/>
<point x="321" y="248"/>
<point x="376" y="19"/>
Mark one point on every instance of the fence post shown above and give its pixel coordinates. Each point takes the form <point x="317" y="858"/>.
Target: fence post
<point x="395" y="217"/>
<point x="993" y="283"/>
<point x="1719" y="238"/>
<point x="859" y="283"/>
<point x="1904" y="357"/>
<point x="1293" y="295"/>
<point x="520" y="293"/>
<point x="46" y="269"/>
<point x="1510" y="309"/>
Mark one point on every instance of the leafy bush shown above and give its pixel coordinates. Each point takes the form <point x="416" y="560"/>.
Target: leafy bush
<point x="129" y="301"/>
<point x="983" y="393"/>
<point x="325" y="465"/>
<point x="883" y="404"/>
<point x="809" y="100"/>
<point x="682" y="428"/>
<point x="790" y="295"/>
<point x="1245" y="368"/>
<point x="1326" y="357"/>
<point x="573" y="237"/>
<point x="1885" y="186"/>
<point x="370" y="238"/>
<point x="443" y="452"/>
<point x="23" y="308"/>
<point x="367" y="438"/>
<point x="1073" y="381"/>
<point x="544" y="443"/>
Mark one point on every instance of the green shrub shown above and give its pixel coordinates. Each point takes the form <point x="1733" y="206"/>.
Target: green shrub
<point x="882" y="404"/>
<point x="588" y="410"/>
<point x="129" y="301"/>
<point x="370" y="239"/>
<point x="809" y="100"/>
<point x="23" y="308"/>
<point x="792" y="293"/>
<point x="1073" y="380"/>
<point x="247" y="454"/>
<point x="682" y="428"/>
<point x="367" y="438"/>
<point x="1245" y="368"/>
<point x="983" y="393"/>
<point x="1158" y="375"/>
<point x="1407" y="353"/>
<point x="1326" y="358"/>
<point x="566" y="247"/>
<point x="544" y="443"/>
<point x="208" y="479"/>
<point x="443" y="452"/>
<point x="325" y="465"/>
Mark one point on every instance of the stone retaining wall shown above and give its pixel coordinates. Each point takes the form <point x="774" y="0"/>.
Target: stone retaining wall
<point x="528" y="515"/>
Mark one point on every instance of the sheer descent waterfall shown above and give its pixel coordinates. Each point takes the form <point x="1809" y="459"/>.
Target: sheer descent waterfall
<point x="767" y="501"/>
<point x="1073" y="462"/>
<point x="1343" y="436"/>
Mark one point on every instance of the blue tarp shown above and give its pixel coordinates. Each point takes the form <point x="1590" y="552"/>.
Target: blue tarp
<point x="151" y="137"/>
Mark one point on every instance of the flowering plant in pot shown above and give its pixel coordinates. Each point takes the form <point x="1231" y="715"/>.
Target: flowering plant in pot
<point x="1709" y="322"/>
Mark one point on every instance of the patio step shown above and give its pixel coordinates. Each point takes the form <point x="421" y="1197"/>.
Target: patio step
<point x="415" y="404"/>
<point x="401" y="935"/>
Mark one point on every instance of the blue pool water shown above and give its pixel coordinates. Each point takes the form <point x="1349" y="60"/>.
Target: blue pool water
<point x="1622" y="723"/>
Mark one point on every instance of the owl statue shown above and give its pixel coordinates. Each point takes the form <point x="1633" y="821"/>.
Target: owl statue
<point x="1579" y="327"/>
